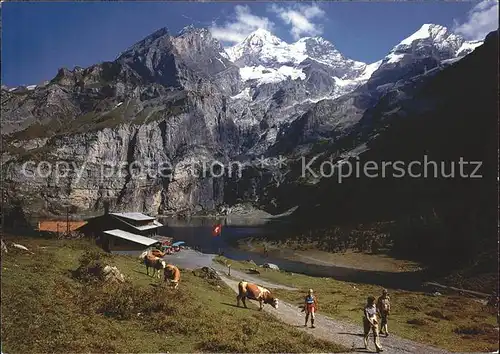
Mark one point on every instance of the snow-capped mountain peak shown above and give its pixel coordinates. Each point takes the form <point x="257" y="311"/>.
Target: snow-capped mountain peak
<point x="431" y="40"/>
<point x="311" y="44"/>
<point x="319" y="49"/>
<point x="260" y="38"/>
<point x="316" y="40"/>
<point x="265" y="59"/>
<point x="437" y="33"/>
<point x="261" y="47"/>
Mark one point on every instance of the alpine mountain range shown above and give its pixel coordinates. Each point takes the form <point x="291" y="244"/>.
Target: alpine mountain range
<point x="185" y="98"/>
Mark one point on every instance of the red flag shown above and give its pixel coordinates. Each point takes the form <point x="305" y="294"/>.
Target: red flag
<point x="217" y="230"/>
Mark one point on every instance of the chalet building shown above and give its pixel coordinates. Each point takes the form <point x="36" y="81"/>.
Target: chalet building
<point x="123" y="231"/>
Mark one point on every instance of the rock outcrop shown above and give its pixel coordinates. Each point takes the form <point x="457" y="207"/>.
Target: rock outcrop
<point x="112" y="275"/>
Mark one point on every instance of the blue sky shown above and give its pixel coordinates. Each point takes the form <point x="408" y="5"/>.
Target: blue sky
<point x="39" y="38"/>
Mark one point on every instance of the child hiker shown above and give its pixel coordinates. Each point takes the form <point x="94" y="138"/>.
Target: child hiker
<point x="384" y="309"/>
<point x="310" y="306"/>
<point x="370" y="322"/>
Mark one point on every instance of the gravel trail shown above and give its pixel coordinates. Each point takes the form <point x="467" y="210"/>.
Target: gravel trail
<point x="340" y="332"/>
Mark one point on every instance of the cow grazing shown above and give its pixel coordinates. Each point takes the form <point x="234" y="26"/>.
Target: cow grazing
<point x="255" y="292"/>
<point x="154" y="252"/>
<point x="172" y="275"/>
<point x="153" y="262"/>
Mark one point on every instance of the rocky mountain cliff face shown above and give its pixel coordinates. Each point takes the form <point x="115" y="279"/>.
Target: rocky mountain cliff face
<point x="171" y="103"/>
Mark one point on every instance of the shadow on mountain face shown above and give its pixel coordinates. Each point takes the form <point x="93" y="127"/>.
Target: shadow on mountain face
<point x="451" y="116"/>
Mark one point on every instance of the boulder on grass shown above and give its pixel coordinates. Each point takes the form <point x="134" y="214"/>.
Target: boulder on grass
<point x="209" y="274"/>
<point x="206" y="273"/>
<point x="112" y="274"/>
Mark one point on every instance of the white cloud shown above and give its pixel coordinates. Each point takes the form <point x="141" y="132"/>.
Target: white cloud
<point x="482" y="19"/>
<point x="300" y="19"/>
<point x="244" y="24"/>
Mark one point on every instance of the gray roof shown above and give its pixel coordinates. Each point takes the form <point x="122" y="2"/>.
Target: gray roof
<point x="146" y="241"/>
<point x="134" y="216"/>
<point x="147" y="227"/>
<point x="153" y="225"/>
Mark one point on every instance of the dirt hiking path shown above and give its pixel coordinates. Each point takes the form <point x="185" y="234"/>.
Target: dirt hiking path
<point x="335" y="331"/>
<point x="248" y="277"/>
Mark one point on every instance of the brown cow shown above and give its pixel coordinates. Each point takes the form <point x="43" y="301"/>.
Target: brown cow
<point x="172" y="275"/>
<point x="255" y="292"/>
<point x="153" y="262"/>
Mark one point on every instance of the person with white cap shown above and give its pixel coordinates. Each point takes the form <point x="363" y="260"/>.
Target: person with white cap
<point x="310" y="306"/>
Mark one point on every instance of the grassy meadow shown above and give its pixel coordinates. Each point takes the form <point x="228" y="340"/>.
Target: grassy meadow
<point x="48" y="307"/>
